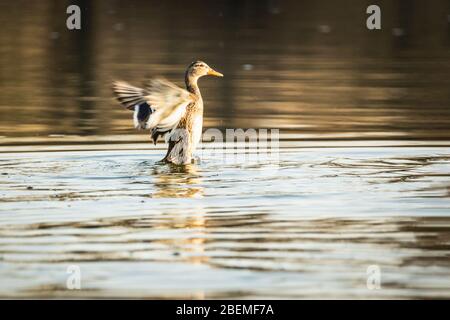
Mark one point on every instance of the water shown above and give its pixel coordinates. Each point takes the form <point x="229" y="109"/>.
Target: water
<point x="308" y="228"/>
<point x="362" y="178"/>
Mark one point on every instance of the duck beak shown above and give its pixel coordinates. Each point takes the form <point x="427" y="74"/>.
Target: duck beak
<point x="213" y="72"/>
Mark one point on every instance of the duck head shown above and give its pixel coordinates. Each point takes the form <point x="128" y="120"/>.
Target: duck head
<point x="199" y="69"/>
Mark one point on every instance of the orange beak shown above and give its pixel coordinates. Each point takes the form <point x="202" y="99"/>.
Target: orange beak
<point x="213" y="72"/>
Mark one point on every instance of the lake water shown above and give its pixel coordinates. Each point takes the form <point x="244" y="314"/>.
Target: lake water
<point x="361" y="181"/>
<point x="306" y="227"/>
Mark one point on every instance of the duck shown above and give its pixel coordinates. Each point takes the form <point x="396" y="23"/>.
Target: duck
<point x="169" y="111"/>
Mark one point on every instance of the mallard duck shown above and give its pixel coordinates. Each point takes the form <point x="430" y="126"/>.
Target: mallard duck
<point x="168" y="110"/>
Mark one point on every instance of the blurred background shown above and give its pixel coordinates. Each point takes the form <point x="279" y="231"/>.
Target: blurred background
<point x="306" y="67"/>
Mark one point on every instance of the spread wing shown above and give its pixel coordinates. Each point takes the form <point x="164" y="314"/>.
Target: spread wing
<point x="129" y="96"/>
<point x="170" y="102"/>
<point x="165" y="102"/>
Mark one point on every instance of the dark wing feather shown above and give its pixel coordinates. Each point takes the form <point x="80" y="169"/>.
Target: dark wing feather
<point x="142" y="113"/>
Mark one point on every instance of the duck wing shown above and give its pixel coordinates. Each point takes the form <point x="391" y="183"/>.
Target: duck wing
<point x="133" y="98"/>
<point x="170" y="103"/>
<point x="159" y="106"/>
<point x="129" y="96"/>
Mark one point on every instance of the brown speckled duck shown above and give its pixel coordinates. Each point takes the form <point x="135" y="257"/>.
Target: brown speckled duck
<point x="168" y="110"/>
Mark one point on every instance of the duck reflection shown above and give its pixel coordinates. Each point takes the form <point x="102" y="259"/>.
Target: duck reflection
<point x="177" y="181"/>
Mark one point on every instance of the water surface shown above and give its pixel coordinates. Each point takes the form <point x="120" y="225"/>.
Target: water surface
<point x="308" y="226"/>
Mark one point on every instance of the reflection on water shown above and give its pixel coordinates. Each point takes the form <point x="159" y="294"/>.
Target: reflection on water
<point x="173" y="181"/>
<point x="141" y="229"/>
<point x="309" y="66"/>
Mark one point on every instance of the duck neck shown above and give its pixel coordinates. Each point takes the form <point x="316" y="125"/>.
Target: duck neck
<point x="191" y="84"/>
